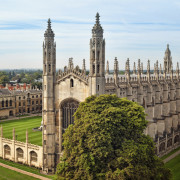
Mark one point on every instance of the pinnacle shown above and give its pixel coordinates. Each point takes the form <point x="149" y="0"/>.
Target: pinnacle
<point x="97" y="18"/>
<point x="49" y="23"/>
<point x="49" y="32"/>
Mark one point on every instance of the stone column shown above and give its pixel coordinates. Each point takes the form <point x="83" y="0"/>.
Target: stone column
<point x="13" y="151"/>
<point x="166" y="142"/>
<point x="26" y="149"/>
<point x="1" y="144"/>
<point x="173" y="139"/>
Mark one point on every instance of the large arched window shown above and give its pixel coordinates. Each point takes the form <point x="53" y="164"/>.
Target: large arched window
<point x="69" y="107"/>
<point x="33" y="156"/>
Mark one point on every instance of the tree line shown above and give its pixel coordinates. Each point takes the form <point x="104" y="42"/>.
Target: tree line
<point x="21" y="76"/>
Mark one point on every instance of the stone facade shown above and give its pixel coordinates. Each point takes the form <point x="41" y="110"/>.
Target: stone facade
<point x="16" y="102"/>
<point x="158" y="91"/>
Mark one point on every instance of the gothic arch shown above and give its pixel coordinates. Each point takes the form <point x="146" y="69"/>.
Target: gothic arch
<point x="20" y="153"/>
<point x="33" y="156"/>
<point x="7" y="151"/>
<point x="68" y="108"/>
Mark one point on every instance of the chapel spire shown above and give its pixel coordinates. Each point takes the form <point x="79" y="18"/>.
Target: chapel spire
<point x="49" y="32"/>
<point x="97" y="30"/>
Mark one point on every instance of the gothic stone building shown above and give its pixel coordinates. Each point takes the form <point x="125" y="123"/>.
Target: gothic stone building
<point x="158" y="91"/>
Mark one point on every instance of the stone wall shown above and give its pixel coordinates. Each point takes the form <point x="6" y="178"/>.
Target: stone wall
<point x="22" y="152"/>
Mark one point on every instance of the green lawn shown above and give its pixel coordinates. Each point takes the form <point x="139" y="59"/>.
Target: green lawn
<point x="7" y="174"/>
<point x="20" y="126"/>
<point x="169" y="154"/>
<point x="174" y="165"/>
<point x="24" y="167"/>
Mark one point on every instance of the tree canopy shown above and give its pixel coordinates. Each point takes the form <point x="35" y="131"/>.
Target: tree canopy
<point x="3" y="78"/>
<point x="107" y="142"/>
<point x="22" y="76"/>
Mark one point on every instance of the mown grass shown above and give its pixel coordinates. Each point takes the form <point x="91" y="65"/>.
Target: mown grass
<point x="24" y="167"/>
<point x="21" y="125"/>
<point x="34" y="137"/>
<point x="169" y="154"/>
<point x="7" y="174"/>
<point x="174" y="165"/>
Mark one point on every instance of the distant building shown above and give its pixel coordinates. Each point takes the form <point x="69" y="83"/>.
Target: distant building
<point x="13" y="85"/>
<point x="18" y="102"/>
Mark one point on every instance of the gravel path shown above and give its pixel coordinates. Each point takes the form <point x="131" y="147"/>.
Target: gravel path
<point x="24" y="172"/>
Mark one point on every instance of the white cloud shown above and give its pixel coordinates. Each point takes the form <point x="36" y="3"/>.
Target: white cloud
<point x="132" y="28"/>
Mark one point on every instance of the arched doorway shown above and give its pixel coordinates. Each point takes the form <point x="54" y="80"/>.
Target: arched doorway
<point x="68" y="107"/>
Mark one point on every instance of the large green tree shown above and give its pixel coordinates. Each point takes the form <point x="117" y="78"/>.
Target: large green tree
<point x="107" y="142"/>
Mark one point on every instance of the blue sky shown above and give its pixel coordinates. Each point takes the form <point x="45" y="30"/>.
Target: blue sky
<point x="134" y="29"/>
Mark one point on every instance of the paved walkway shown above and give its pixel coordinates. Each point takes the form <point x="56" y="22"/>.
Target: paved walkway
<point x="171" y="157"/>
<point x="21" y="117"/>
<point x="24" y="172"/>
